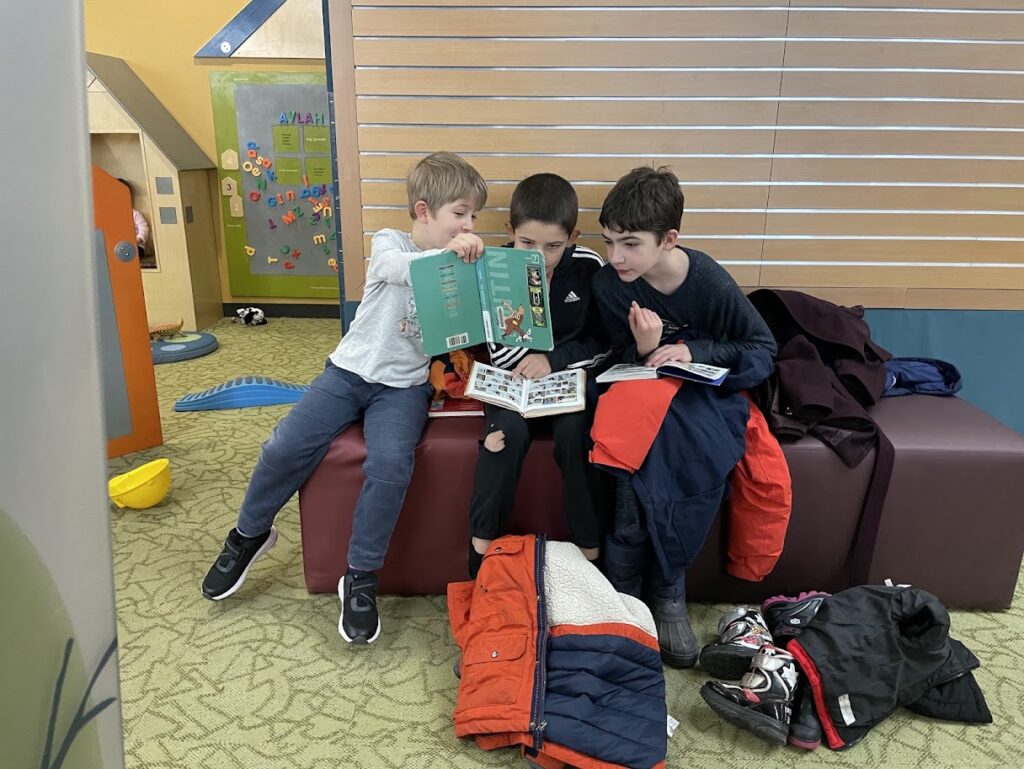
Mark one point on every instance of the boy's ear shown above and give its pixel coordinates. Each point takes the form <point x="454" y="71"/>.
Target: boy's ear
<point x="669" y="241"/>
<point x="511" y="232"/>
<point x="572" y="237"/>
<point x="422" y="211"/>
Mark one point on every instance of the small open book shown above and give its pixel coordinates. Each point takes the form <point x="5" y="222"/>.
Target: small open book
<point x="557" y="393"/>
<point x="694" y="372"/>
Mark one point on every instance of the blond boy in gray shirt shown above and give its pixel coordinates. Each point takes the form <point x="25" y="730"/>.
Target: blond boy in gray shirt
<point x="377" y="374"/>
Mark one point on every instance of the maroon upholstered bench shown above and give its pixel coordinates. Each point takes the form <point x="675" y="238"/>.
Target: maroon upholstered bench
<point x="953" y="521"/>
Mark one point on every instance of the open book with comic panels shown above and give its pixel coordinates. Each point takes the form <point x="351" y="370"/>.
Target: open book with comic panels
<point x="692" y="372"/>
<point x="558" y="393"/>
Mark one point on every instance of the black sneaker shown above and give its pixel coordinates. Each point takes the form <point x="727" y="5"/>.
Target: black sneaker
<point x="232" y="565"/>
<point x="359" y="622"/>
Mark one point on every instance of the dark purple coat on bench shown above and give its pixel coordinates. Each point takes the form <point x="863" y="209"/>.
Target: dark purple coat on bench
<point x="827" y="372"/>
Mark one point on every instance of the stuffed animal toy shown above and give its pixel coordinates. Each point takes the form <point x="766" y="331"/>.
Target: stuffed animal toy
<point x="250" y="316"/>
<point x="165" y="330"/>
<point x="449" y="373"/>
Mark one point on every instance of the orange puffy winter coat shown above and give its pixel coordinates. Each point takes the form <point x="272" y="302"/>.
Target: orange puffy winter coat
<point x="556" y="662"/>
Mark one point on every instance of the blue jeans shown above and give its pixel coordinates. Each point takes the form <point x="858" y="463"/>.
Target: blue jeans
<point x="393" y="419"/>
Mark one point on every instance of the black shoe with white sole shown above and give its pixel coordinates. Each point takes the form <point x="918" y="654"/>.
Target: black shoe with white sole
<point x="359" y="622"/>
<point x="228" y="572"/>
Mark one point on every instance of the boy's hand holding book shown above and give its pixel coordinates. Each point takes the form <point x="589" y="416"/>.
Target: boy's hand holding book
<point x="467" y="246"/>
<point x="670" y="353"/>
<point x="533" y="366"/>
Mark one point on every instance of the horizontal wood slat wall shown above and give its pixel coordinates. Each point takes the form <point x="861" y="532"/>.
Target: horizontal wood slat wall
<point x="867" y="151"/>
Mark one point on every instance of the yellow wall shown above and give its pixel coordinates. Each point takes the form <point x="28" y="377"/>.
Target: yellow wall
<point x="159" y="41"/>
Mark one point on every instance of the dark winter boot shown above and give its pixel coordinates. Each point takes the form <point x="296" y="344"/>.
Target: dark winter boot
<point x="786" y="616"/>
<point x="667" y="602"/>
<point x="762" y="701"/>
<point x="741" y="633"/>
<point x="804" y="726"/>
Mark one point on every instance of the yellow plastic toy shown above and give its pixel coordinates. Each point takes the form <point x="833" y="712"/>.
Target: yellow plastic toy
<point x="142" y="487"/>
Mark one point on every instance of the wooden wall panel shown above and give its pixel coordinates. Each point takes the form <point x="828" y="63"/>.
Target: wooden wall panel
<point x="594" y="3"/>
<point x="346" y="151"/>
<point x="866" y="297"/>
<point x="924" y="251"/>
<point x="980" y="5"/>
<point x="881" y="197"/>
<point x="902" y="113"/>
<point x="902" y="142"/>
<point x="691" y="169"/>
<point x="964" y="299"/>
<point x="536" y="52"/>
<point x="912" y="85"/>
<point x="914" y="55"/>
<point x="739" y="255"/>
<point x="895" y="224"/>
<point x="889" y="23"/>
<point x="536" y="141"/>
<point x="899" y="169"/>
<point x="892" y="276"/>
<point x="591" y="195"/>
<point x="470" y="21"/>
<point x="570" y="111"/>
<point x="541" y="83"/>
<point x="492" y="222"/>
<point x="867" y="151"/>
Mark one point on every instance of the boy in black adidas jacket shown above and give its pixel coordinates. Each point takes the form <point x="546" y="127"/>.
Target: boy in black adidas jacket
<point x="542" y="217"/>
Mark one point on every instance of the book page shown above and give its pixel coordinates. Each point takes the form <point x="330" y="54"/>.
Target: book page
<point x="497" y="386"/>
<point x="625" y="372"/>
<point x="561" y="391"/>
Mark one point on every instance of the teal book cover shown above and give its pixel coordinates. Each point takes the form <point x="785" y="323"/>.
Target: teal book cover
<point x="502" y="298"/>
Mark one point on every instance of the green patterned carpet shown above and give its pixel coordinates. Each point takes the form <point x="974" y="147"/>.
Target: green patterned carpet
<point x="262" y="679"/>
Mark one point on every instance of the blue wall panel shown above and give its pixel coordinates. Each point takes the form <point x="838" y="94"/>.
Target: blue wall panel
<point x="986" y="345"/>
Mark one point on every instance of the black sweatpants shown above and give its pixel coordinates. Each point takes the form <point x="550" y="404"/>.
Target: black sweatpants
<point x="586" y="491"/>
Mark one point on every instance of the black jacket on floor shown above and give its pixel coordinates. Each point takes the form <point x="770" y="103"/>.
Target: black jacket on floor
<point x="871" y="649"/>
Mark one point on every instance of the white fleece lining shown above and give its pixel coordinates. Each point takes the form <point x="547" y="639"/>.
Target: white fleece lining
<point x="578" y="594"/>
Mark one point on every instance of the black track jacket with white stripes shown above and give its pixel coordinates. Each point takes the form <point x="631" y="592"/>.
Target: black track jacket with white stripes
<point x="580" y="338"/>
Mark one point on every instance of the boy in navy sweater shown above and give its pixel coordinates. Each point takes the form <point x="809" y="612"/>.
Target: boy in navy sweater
<point x="662" y="303"/>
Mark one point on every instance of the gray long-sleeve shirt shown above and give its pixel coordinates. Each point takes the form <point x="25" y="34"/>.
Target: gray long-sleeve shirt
<point x="384" y="343"/>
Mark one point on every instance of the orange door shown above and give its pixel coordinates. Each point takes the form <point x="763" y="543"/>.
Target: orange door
<point x="128" y="376"/>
